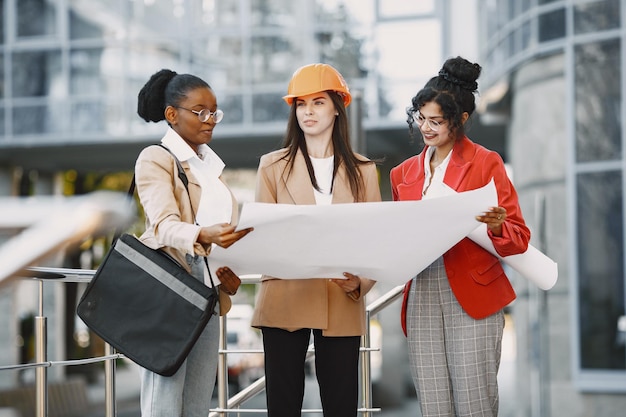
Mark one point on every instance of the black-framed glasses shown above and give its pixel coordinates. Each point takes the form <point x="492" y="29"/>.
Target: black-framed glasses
<point x="205" y="114"/>
<point x="432" y="124"/>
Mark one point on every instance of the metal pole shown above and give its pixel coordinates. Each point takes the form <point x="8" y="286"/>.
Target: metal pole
<point x="41" y="373"/>
<point x="222" y="368"/>
<point x="109" y="382"/>
<point x="366" y="381"/>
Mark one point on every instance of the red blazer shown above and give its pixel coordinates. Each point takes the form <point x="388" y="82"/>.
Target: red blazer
<point x="476" y="276"/>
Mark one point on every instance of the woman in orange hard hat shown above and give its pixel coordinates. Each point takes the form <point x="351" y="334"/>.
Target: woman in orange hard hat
<point x="315" y="166"/>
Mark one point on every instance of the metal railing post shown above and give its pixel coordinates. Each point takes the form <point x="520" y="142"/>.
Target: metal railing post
<point x="109" y="382"/>
<point x="41" y="347"/>
<point x="366" y="380"/>
<point x="222" y="368"/>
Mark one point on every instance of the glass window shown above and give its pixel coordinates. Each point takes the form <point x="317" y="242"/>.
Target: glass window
<point x="220" y="58"/>
<point x="269" y="108"/>
<point x="83" y="28"/>
<point x="35" y="18"/>
<point x="273" y="13"/>
<point x="88" y="117"/>
<point x="2" y="85"/>
<point x="552" y="25"/>
<point x="232" y="105"/>
<point x="214" y="13"/>
<point x="85" y="71"/>
<point x="36" y="74"/>
<point x="2" y="25"/>
<point x="598" y="101"/>
<point x="2" y="124"/>
<point x="595" y="16"/>
<point x="600" y="269"/>
<point x="37" y="119"/>
<point x="272" y="59"/>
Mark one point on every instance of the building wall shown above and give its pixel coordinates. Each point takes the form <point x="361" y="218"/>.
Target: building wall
<point x="538" y="147"/>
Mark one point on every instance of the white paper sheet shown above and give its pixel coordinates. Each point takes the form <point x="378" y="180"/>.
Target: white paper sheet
<point x="386" y="241"/>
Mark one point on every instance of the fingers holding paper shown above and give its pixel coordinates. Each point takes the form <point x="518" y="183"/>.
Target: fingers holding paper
<point x="493" y="218"/>
<point x="350" y="284"/>
<point x="222" y="234"/>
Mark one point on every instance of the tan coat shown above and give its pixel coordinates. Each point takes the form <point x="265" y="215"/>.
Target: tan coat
<point x="309" y="303"/>
<point x="169" y="218"/>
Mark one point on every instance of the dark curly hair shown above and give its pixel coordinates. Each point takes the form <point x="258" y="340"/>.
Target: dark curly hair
<point x="453" y="89"/>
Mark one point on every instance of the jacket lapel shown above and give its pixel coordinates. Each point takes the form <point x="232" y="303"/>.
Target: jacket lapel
<point x="460" y="163"/>
<point x="298" y="184"/>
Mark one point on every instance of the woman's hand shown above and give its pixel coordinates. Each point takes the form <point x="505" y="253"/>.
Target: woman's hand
<point x="350" y="284"/>
<point x="493" y="219"/>
<point x="230" y="281"/>
<point x="222" y="234"/>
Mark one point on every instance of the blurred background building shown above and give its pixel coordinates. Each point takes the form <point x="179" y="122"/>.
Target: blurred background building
<point x="551" y="104"/>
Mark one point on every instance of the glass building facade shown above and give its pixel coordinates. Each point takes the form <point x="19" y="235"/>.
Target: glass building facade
<point x="587" y="37"/>
<point x="70" y="69"/>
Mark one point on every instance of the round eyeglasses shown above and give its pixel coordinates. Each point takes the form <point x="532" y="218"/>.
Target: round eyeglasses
<point x="205" y="114"/>
<point x="432" y="124"/>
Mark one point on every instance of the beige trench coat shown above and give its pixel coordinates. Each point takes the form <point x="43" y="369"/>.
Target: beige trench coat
<point x="169" y="218"/>
<point x="315" y="303"/>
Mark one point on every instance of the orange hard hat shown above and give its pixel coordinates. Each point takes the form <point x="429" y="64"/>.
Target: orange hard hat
<point x="314" y="78"/>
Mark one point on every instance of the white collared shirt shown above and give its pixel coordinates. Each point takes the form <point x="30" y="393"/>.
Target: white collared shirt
<point x="216" y="204"/>
<point x="437" y="187"/>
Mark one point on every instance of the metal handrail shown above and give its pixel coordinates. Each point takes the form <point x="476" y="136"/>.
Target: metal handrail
<point x="225" y="404"/>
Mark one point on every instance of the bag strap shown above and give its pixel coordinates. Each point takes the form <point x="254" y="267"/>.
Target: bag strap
<point x="183" y="177"/>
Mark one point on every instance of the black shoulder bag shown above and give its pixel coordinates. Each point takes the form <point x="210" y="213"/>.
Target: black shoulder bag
<point x="146" y="305"/>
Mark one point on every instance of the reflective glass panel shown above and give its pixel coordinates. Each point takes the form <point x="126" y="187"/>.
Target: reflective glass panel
<point x="595" y="16"/>
<point x="88" y="117"/>
<point x="272" y="59"/>
<point x="275" y="13"/>
<point x="598" y="101"/>
<point x="86" y="71"/>
<point x="37" y="119"/>
<point x="232" y="106"/>
<point x="269" y="108"/>
<point x="35" y="18"/>
<point x="551" y="25"/>
<point x="600" y="269"/>
<point x="35" y="74"/>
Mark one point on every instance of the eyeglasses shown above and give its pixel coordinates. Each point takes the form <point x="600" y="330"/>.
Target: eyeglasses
<point x="432" y="124"/>
<point x="205" y="114"/>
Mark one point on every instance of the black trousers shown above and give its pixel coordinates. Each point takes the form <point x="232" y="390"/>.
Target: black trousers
<point x="336" y="367"/>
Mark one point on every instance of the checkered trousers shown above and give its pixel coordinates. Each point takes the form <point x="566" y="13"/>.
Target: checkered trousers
<point x="454" y="358"/>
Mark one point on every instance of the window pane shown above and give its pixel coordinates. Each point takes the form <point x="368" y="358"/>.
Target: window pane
<point x="272" y="13"/>
<point x="85" y="70"/>
<point x="269" y="108"/>
<point x="600" y="269"/>
<point x="83" y="28"/>
<point x="2" y="24"/>
<point x="233" y="109"/>
<point x="596" y="15"/>
<point x="272" y="59"/>
<point x="35" y="73"/>
<point x="35" y="18"/>
<point x="598" y="101"/>
<point x="39" y="119"/>
<point x="2" y="85"/>
<point x="219" y="73"/>
<point x="552" y="25"/>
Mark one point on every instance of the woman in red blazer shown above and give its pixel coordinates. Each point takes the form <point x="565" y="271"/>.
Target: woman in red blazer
<point x="452" y="312"/>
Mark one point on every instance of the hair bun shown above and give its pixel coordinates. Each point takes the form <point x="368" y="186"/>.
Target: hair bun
<point x="461" y="72"/>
